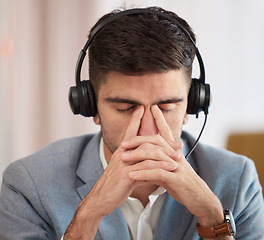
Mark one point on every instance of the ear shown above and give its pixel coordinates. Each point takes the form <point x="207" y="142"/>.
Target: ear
<point x="185" y="119"/>
<point x="96" y="119"/>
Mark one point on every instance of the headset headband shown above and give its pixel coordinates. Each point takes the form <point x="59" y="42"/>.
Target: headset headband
<point x="127" y="13"/>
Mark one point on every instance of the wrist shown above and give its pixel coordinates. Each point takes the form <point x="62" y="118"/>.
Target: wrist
<point x="224" y="230"/>
<point x="212" y="217"/>
<point x="85" y="222"/>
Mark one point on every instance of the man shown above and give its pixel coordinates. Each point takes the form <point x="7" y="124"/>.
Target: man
<point x="132" y="180"/>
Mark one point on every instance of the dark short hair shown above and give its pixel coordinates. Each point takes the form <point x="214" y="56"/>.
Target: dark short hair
<point x="140" y="44"/>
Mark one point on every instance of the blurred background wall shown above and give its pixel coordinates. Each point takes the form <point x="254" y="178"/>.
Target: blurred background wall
<point x="40" y="41"/>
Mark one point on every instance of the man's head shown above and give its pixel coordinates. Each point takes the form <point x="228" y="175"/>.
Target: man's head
<point x="139" y="44"/>
<point x="140" y="60"/>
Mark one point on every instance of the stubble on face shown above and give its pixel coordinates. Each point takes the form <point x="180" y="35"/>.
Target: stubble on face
<point x="108" y="139"/>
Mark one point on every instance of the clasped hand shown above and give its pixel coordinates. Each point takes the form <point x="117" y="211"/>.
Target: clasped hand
<point x="154" y="159"/>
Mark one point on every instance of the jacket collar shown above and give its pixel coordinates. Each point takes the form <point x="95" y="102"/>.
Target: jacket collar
<point x="90" y="169"/>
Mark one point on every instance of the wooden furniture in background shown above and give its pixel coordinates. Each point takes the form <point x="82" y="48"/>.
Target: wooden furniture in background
<point x="250" y="145"/>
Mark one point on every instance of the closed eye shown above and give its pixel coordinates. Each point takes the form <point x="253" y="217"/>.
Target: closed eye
<point x="123" y="110"/>
<point x="167" y="107"/>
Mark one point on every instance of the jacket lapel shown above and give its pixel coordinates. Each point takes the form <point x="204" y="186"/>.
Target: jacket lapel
<point x="174" y="221"/>
<point x="90" y="169"/>
<point x="114" y="226"/>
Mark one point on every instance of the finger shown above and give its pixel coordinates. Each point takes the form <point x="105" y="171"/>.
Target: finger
<point x="149" y="165"/>
<point x="137" y="141"/>
<point x="176" y="145"/>
<point x="155" y="176"/>
<point x="161" y="123"/>
<point x="134" y="124"/>
<point x="151" y="152"/>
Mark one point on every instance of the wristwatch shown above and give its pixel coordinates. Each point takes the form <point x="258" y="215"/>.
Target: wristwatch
<point x="228" y="228"/>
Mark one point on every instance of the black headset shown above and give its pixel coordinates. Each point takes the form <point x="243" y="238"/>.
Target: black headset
<point x="82" y="97"/>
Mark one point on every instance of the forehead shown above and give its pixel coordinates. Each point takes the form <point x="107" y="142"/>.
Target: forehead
<point x="145" y="87"/>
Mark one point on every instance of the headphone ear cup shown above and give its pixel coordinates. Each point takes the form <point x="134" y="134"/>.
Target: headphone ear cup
<point x="91" y="106"/>
<point x="198" y="98"/>
<point x="193" y="97"/>
<point x="74" y="100"/>
<point x="82" y="99"/>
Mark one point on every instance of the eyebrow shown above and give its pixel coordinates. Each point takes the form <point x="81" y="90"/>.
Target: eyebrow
<point x="134" y="102"/>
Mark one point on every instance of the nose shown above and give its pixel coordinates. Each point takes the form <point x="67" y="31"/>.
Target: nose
<point x="148" y="125"/>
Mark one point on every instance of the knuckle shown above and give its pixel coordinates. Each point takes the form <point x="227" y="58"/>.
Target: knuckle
<point x="159" y="139"/>
<point x="159" y="153"/>
<point x="145" y="145"/>
<point x="165" y="165"/>
<point x="144" y="174"/>
<point x="161" y="174"/>
<point x="148" y="164"/>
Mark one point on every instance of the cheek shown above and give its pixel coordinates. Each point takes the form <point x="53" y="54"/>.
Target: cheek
<point x="175" y="123"/>
<point x="114" y="124"/>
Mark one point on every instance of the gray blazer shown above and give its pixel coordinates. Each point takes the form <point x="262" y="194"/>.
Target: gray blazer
<point x="41" y="193"/>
